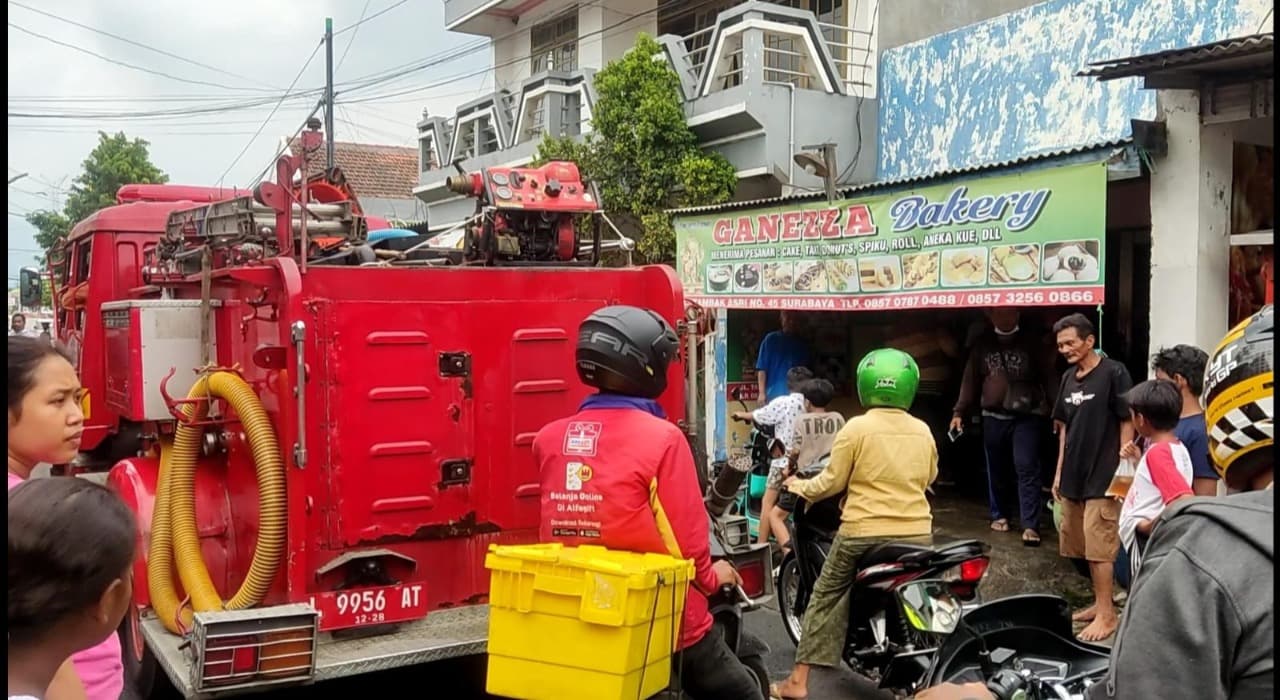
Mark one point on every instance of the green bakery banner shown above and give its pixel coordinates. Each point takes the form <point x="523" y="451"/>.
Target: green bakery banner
<point x="1025" y="239"/>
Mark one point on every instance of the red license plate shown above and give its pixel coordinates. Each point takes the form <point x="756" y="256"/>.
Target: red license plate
<point x="359" y="607"/>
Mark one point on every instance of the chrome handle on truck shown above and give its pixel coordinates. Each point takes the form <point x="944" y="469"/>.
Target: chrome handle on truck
<point x="298" y="333"/>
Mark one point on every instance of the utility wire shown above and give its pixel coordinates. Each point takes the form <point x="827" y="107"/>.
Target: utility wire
<point x="521" y="59"/>
<point x="126" y="65"/>
<point x="355" y="30"/>
<point x="296" y="78"/>
<point x="375" y="15"/>
<point x="378" y="78"/>
<point x="287" y="142"/>
<point x="142" y="45"/>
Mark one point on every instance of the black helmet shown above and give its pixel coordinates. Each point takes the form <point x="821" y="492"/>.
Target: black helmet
<point x="626" y="350"/>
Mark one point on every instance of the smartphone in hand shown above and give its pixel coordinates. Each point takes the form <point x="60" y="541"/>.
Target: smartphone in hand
<point x="954" y="434"/>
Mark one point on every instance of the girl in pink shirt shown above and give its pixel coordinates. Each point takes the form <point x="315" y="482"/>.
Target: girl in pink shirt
<point x="45" y="425"/>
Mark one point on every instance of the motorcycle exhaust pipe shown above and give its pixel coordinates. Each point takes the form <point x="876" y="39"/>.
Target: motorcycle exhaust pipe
<point x="724" y="490"/>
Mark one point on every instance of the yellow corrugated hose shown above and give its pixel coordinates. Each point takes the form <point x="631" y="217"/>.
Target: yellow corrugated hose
<point x="173" y="522"/>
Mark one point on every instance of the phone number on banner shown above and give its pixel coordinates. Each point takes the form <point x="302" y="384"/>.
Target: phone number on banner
<point x="1036" y="296"/>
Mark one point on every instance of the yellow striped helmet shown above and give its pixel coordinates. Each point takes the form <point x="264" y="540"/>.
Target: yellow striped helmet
<point x="1239" y="386"/>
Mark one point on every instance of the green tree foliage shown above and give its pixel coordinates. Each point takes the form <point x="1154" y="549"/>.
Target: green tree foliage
<point x="114" y="162"/>
<point x="641" y="153"/>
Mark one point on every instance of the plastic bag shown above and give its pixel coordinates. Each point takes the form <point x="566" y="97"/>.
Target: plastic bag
<point x="1123" y="479"/>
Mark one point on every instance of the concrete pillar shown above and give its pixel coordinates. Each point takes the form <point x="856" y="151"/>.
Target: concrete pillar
<point x="591" y="25"/>
<point x="1190" y="227"/>
<point x="715" y="408"/>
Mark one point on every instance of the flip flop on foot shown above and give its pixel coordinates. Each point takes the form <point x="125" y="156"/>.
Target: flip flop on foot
<point x="775" y="692"/>
<point x="1099" y="629"/>
<point x="1086" y="615"/>
<point x="1030" y="538"/>
<point x="1001" y="525"/>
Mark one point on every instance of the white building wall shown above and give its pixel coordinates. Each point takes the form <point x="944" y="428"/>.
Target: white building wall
<point x="1190" y="227"/>
<point x="620" y="38"/>
<point x="511" y="59"/>
<point x="606" y="30"/>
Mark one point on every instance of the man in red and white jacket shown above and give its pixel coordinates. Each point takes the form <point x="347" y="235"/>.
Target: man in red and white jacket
<point x="618" y="475"/>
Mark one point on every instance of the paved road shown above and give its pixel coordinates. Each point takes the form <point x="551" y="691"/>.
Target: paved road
<point x="1014" y="569"/>
<point x="465" y="679"/>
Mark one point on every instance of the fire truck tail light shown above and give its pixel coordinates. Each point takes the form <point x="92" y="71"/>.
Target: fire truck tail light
<point x="753" y="578"/>
<point x="254" y="647"/>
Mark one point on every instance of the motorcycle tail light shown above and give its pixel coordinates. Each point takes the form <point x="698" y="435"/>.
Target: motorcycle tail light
<point x="969" y="571"/>
<point x="972" y="570"/>
<point x="753" y="577"/>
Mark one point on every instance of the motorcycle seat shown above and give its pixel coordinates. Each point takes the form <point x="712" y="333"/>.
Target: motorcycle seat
<point x="904" y="551"/>
<point x="888" y="552"/>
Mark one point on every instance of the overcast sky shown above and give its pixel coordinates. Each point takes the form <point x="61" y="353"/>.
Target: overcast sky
<point x="264" y="42"/>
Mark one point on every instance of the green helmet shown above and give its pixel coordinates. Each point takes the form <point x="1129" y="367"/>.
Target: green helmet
<point x="887" y="378"/>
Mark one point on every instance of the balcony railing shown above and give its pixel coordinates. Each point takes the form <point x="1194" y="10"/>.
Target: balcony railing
<point x="780" y="45"/>
<point x="756" y="43"/>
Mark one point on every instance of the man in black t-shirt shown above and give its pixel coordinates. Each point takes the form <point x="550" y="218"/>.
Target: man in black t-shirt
<point x="1092" y="422"/>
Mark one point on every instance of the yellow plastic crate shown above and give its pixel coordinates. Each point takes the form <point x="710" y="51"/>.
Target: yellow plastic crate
<point x="582" y="623"/>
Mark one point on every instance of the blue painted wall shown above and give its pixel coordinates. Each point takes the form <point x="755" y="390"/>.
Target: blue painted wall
<point x="1006" y="88"/>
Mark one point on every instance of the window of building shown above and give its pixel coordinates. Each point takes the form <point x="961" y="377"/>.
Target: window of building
<point x="427" y="158"/>
<point x="553" y="44"/>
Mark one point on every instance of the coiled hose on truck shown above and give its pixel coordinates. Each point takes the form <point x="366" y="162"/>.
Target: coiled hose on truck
<point x="174" y="537"/>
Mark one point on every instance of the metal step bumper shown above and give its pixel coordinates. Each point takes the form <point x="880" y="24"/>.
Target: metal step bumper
<point x="443" y="634"/>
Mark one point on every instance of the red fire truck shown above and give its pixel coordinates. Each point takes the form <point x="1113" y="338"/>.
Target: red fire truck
<point x="321" y="437"/>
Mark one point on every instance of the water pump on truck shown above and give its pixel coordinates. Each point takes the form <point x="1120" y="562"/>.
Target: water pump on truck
<point x="329" y="437"/>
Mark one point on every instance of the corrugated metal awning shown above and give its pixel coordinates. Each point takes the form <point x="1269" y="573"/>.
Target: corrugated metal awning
<point x="1244" y="55"/>
<point x="1105" y="149"/>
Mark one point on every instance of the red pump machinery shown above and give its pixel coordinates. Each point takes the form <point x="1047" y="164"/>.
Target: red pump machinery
<point x="327" y="443"/>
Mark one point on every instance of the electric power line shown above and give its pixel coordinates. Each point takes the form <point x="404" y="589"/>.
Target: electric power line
<point x="296" y="78"/>
<point x="356" y="30"/>
<point x="521" y="59"/>
<point x="378" y="78"/>
<point x="266" y="169"/>
<point x="122" y="63"/>
<point x="373" y="16"/>
<point x="142" y="45"/>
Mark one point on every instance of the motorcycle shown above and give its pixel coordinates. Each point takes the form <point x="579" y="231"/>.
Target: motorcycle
<point x="754" y="562"/>
<point x="1021" y="647"/>
<point x="762" y="448"/>
<point x="879" y="643"/>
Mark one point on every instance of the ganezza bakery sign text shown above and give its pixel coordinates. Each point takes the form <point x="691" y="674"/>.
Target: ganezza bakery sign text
<point x="1017" y="211"/>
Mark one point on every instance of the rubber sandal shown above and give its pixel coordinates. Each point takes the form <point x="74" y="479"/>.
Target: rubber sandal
<point x="1001" y="525"/>
<point x="1030" y="538"/>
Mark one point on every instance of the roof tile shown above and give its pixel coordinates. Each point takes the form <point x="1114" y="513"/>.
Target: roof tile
<point x="373" y="170"/>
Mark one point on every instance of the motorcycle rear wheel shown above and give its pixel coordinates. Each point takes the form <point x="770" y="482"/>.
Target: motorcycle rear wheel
<point x="788" y="589"/>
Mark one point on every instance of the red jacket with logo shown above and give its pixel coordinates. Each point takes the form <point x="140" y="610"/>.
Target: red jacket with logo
<point x="624" y="479"/>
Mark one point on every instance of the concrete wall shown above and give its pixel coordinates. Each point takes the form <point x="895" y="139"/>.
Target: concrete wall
<point x="406" y="209"/>
<point x="597" y="46"/>
<point x="1006" y="88"/>
<point x="906" y="21"/>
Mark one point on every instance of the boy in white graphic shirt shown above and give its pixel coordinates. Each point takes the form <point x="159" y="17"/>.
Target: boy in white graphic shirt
<point x="1164" y="473"/>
